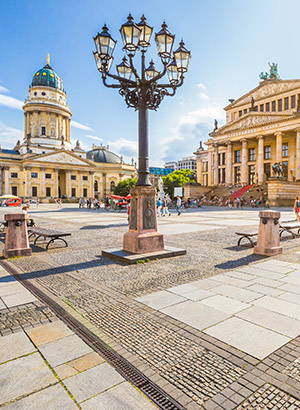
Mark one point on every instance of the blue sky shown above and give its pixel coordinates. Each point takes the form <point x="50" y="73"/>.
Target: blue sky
<point x="231" y="42"/>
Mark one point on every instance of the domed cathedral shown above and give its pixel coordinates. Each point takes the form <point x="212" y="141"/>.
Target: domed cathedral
<point x="45" y="165"/>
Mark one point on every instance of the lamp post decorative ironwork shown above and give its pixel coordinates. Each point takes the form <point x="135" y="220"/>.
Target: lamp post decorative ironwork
<point x="143" y="92"/>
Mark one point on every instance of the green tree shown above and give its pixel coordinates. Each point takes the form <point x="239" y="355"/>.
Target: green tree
<point x="123" y="187"/>
<point x="177" y="178"/>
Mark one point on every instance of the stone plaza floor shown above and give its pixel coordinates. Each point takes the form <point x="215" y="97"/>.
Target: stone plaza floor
<point x="218" y="328"/>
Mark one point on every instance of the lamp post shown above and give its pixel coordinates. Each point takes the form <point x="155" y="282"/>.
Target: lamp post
<point x="143" y="92"/>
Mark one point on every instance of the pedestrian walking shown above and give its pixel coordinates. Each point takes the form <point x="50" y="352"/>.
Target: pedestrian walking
<point x="159" y="206"/>
<point x="297" y="208"/>
<point x="165" y="207"/>
<point x="178" y="205"/>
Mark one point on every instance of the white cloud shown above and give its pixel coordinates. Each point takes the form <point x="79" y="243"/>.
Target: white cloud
<point x="201" y="86"/>
<point x="11" y="102"/>
<point x="204" y="115"/>
<point x="76" y="124"/>
<point x="203" y="96"/>
<point x="82" y="144"/>
<point x="93" y="137"/>
<point x="3" y="89"/>
<point x="9" y="136"/>
<point x="125" y="147"/>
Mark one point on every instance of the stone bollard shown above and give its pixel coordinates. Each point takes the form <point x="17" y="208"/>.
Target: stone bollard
<point x="16" y="237"/>
<point x="268" y="242"/>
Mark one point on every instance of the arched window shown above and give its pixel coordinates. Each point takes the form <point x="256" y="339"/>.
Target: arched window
<point x="96" y="186"/>
<point x="112" y="186"/>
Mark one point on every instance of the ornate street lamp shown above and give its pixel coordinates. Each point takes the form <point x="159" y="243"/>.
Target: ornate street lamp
<point x="143" y="92"/>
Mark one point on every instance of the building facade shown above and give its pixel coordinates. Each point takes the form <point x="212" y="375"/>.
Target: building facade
<point x="262" y="128"/>
<point x="44" y="165"/>
<point x="185" y="163"/>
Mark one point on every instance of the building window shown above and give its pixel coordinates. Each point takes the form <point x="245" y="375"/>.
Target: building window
<point x="85" y="178"/>
<point x="96" y="185"/>
<point x="219" y="159"/>
<point x="267" y="107"/>
<point x="293" y="101"/>
<point x="285" y="167"/>
<point x="237" y="175"/>
<point x="237" y="156"/>
<point x="251" y="154"/>
<point x="34" y="191"/>
<point x="34" y="175"/>
<point x="205" y="166"/>
<point x="48" y="176"/>
<point x="286" y="103"/>
<point x="43" y="130"/>
<point x="73" y="192"/>
<point x="48" y="191"/>
<point x="223" y="158"/>
<point x="223" y="175"/>
<point x="251" y="174"/>
<point x="280" y="105"/>
<point x="219" y="176"/>
<point x="14" y="175"/>
<point x="240" y="113"/>
<point x="261" y="108"/>
<point x="285" y="150"/>
<point x="245" y="111"/>
<point x="273" y="105"/>
<point x="14" y="190"/>
<point x="256" y="108"/>
<point x="43" y="93"/>
<point x="85" y="192"/>
<point x="112" y="186"/>
<point x="267" y="149"/>
<point x="73" y="177"/>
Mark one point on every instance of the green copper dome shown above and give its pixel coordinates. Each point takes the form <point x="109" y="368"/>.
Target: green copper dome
<point x="47" y="77"/>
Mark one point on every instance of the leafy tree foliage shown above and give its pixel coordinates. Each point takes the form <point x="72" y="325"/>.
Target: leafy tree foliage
<point x="123" y="187"/>
<point x="176" y="179"/>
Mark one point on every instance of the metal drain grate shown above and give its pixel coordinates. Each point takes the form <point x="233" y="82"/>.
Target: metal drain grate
<point x="122" y="366"/>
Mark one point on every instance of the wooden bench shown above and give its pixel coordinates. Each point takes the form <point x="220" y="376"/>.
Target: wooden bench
<point x="37" y="233"/>
<point x="246" y="235"/>
<point x="289" y="227"/>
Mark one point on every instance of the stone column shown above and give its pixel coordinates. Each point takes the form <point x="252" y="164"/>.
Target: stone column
<point x="278" y="136"/>
<point x="244" y="173"/>
<point x="215" y="165"/>
<point x="229" y="164"/>
<point x="56" y="126"/>
<point x="27" y="181"/>
<point x="59" y="126"/>
<point x="92" y="180"/>
<point x="104" y="185"/>
<point x="68" y="136"/>
<point x="48" y="131"/>
<point x="298" y="154"/>
<point x="55" y="193"/>
<point x="1" y="180"/>
<point x="6" y="180"/>
<point x="68" y="183"/>
<point x="39" y="123"/>
<point x="260" y="160"/>
<point x="43" y="186"/>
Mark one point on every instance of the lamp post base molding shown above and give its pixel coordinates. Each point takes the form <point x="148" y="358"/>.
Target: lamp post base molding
<point x="130" y="258"/>
<point x="258" y="250"/>
<point x="143" y="242"/>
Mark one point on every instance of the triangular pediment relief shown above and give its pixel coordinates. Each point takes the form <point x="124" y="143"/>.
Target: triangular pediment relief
<point x="63" y="157"/>
<point x="265" y="89"/>
<point x="251" y="120"/>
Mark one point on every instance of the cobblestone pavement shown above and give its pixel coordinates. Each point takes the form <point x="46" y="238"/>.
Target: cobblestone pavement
<point x="196" y="369"/>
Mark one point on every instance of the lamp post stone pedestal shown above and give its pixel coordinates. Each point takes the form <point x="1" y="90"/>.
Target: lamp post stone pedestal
<point x="16" y="238"/>
<point x="143" y="236"/>
<point x="268" y="242"/>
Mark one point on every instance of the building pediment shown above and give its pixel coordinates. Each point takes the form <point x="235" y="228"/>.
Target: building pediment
<point x="250" y="120"/>
<point x="265" y="89"/>
<point x="58" y="158"/>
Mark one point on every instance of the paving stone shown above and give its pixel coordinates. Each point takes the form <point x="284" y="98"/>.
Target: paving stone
<point x="288" y="287"/>
<point x="205" y="284"/>
<point x="271" y="320"/>
<point x="240" y="283"/>
<point x="225" y="304"/>
<point x="182" y="289"/>
<point x="195" y="314"/>
<point x="93" y="381"/>
<point x="261" y="272"/>
<point x="198" y="294"/>
<point x="293" y="278"/>
<point x="240" y="275"/>
<point x="280" y="306"/>
<point x="15" y="345"/>
<point x="2" y="305"/>
<point x="49" y="332"/>
<point x="159" y="300"/>
<point x="24" y="375"/>
<point x="234" y="292"/>
<point x="11" y="288"/>
<point x="273" y="266"/>
<point x="248" y="337"/>
<point x="268" y="282"/>
<point x="52" y="398"/>
<point x="290" y="297"/>
<point x="65" y="370"/>
<point x="86" y="362"/>
<point x="121" y="397"/>
<point x="18" y="299"/>
<point x="265" y="290"/>
<point x="64" y="350"/>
